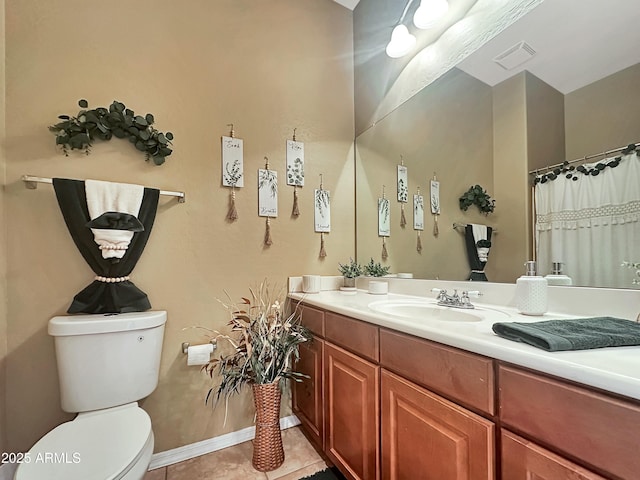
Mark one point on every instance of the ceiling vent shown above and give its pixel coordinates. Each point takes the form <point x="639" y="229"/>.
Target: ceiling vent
<point x="514" y="56"/>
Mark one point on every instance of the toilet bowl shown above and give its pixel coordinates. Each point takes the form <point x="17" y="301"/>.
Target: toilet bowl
<point x="110" y="444"/>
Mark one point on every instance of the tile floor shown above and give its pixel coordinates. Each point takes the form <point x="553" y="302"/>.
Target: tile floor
<point x="234" y="463"/>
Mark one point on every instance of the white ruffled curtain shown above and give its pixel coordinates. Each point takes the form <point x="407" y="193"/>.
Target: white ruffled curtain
<point x="591" y="224"/>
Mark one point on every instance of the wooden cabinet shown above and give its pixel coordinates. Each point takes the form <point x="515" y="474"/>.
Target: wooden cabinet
<point x="427" y="437"/>
<point x="352" y="413"/>
<point x="306" y="395"/>
<point x="600" y="431"/>
<point x="524" y="460"/>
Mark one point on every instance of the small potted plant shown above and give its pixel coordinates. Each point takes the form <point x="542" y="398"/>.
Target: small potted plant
<point x="375" y="269"/>
<point x="476" y="195"/>
<point x="264" y="339"/>
<point x="350" y="272"/>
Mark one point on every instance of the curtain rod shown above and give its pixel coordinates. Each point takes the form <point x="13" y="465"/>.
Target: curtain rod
<point x="31" y="182"/>
<point x="583" y="159"/>
<point x="457" y="225"/>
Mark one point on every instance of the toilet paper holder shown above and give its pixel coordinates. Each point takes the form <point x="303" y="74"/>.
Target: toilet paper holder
<point x="186" y="345"/>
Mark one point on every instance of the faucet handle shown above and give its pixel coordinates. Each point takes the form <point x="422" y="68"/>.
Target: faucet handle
<point x="472" y="293"/>
<point x="442" y="293"/>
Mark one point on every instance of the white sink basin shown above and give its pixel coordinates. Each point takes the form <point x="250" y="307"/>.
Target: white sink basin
<point x="428" y="311"/>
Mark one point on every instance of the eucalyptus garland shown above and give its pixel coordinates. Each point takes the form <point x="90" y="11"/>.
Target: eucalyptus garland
<point x="103" y="123"/>
<point x="570" y="171"/>
<point x="476" y="195"/>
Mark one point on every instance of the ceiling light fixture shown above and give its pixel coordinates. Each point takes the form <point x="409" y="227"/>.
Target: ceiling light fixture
<point x="401" y="41"/>
<point x="429" y="12"/>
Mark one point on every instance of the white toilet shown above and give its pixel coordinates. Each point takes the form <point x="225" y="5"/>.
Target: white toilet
<point x="105" y="364"/>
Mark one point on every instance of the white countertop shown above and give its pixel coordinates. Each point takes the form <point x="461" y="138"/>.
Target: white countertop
<point x="615" y="369"/>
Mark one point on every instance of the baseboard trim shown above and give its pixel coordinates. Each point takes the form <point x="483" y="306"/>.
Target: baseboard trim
<point x="180" y="454"/>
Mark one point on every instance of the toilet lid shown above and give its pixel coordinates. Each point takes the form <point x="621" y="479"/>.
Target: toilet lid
<point x="97" y="445"/>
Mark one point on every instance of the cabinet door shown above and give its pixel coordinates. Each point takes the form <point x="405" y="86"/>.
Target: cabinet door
<point x="351" y="413"/>
<point x="307" y="394"/>
<point x="523" y="460"/>
<point x="426" y="437"/>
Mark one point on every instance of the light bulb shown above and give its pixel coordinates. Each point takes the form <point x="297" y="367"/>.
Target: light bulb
<point x="429" y="12"/>
<point x="401" y="42"/>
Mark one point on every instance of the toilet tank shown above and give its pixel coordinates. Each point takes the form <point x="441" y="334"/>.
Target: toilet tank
<point x="105" y="360"/>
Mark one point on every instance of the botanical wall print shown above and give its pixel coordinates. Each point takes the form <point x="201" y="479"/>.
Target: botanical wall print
<point x="267" y="193"/>
<point x="322" y="214"/>
<point x="232" y="162"/>
<point x="295" y="170"/>
<point x="418" y="218"/>
<point x="403" y="191"/>
<point x="435" y="203"/>
<point x="384" y="222"/>
<point x="267" y="197"/>
<point x="232" y="169"/>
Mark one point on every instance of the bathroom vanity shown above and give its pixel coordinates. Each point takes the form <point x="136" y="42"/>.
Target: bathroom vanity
<point x="400" y="391"/>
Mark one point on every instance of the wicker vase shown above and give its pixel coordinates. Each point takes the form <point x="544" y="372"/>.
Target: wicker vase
<point x="268" y="453"/>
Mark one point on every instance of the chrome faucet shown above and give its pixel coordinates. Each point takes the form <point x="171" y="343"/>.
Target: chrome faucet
<point x="455" y="300"/>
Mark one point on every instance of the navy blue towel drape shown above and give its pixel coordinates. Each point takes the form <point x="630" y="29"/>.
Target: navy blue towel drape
<point x="103" y="297"/>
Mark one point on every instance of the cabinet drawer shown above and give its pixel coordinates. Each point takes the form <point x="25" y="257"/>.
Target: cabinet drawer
<point x="313" y="319"/>
<point x="524" y="460"/>
<point x="462" y="376"/>
<point x="359" y="337"/>
<point x="601" y="430"/>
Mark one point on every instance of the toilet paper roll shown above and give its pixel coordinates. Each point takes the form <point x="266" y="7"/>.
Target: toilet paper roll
<point x="199" y="354"/>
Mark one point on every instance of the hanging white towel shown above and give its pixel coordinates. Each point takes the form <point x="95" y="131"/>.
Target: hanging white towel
<point x="480" y="233"/>
<point x="112" y="197"/>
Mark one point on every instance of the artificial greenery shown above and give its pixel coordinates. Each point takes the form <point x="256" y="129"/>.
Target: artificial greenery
<point x="476" y="195"/>
<point x="570" y="171"/>
<point x="374" y="269"/>
<point x="351" y="270"/>
<point x="78" y="133"/>
<point x="265" y="340"/>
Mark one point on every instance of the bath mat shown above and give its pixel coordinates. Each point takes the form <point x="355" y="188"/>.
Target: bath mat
<point x="327" y="474"/>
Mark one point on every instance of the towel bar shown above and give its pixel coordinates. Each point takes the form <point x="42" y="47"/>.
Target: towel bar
<point x="31" y="183"/>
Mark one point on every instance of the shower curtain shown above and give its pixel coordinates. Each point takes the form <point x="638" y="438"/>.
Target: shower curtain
<point x="591" y="224"/>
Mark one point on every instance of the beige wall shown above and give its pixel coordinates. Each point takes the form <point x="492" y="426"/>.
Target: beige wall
<point x="447" y="129"/>
<point x="268" y="67"/>
<point x="603" y="115"/>
<point x="510" y="177"/>
<point x="3" y="241"/>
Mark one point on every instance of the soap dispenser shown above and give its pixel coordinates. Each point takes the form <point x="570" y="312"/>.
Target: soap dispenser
<point x="556" y="277"/>
<point x="531" y="292"/>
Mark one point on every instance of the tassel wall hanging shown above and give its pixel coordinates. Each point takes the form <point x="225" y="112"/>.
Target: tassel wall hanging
<point x="232" y="169"/>
<point x="435" y="203"/>
<point x="267" y="197"/>
<point x="295" y="170"/>
<point x="384" y="222"/>
<point x="322" y="215"/>
<point x="418" y="217"/>
<point x="403" y="190"/>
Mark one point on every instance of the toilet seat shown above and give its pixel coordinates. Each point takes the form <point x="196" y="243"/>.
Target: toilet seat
<point x="98" y="445"/>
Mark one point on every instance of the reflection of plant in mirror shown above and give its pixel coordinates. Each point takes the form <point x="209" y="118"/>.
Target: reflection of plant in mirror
<point x="375" y="269"/>
<point x="351" y="270"/>
<point x="78" y="132"/>
<point x="476" y="195"/>
<point x="635" y="281"/>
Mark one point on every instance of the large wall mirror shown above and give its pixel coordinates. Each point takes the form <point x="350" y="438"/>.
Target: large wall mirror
<point x="569" y="87"/>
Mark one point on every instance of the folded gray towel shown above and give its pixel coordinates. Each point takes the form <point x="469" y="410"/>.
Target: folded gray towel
<point x="572" y="334"/>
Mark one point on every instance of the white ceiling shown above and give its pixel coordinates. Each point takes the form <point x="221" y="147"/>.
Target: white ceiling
<point x="350" y="4"/>
<point x="576" y="41"/>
